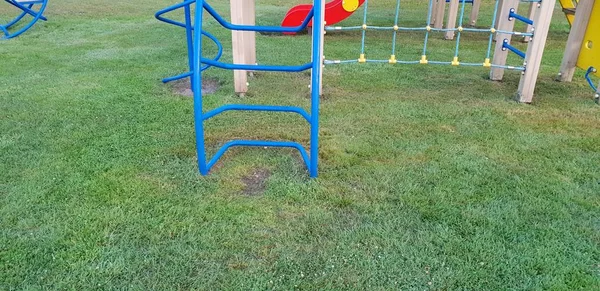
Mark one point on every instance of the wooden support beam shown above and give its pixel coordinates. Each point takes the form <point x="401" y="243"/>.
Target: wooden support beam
<point x="504" y="24"/>
<point x="439" y="9"/>
<point x="530" y="15"/>
<point x="475" y="12"/>
<point x="452" y="15"/>
<point x="535" y="51"/>
<point x="243" y="42"/>
<point x="575" y="41"/>
<point x="497" y="20"/>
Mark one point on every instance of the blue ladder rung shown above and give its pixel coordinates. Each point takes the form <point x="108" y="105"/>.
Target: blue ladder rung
<point x="247" y="107"/>
<point x="507" y="46"/>
<point x="466" y="1"/>
<point x="293" y="69"/>
<point x="256" y="28"/>
<point x="257" y="143"/>
<point x="513" y="15"/>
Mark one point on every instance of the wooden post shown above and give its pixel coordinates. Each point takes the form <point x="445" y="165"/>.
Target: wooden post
<point x="452" y="15"/>
<point x="243" y="42"/>
<point x="530" y="15"/>
<point x="439" y="9"/>
<point x="569" y="62"/>
<point x="475" y="12"/>
<point x="497" y="21"/>
<point x="535" y="51"/>
<point x="504" y="24"/>
<point x="250" y="36"/>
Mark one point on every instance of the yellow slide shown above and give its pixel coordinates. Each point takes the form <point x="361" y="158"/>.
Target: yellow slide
<point x="590" y="49"/>
<point x="568" y="7"/>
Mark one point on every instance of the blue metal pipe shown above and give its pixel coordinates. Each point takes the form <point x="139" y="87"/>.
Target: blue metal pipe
<point x="188" y="25"/>
<point x="513" y="15"/>
<point x="290" y="69"/>
<point x="159" y="14"/>
<point x="256" y="28"/>
<point x="260" y="143"/>
<point x="27" y="10"/>
<point x="189" y="31"/>
<point x="244" y="107"/>
<point x="197" y="84"/>
<point x="589" y="80"/>
<point x="317" y="66"/>
<point x="196" y="73"/>
<point x="17" y="19"/>
<point x="506" y="45"/>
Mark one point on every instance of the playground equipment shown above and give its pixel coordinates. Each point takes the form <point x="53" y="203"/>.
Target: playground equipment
<point x="244" y="54"/>
<point x="335" y="11"/>
<point x="317" y="16"/>
<point x="506" y="13"/>
<point x="29" y="9"/>
<point x="583" y="45"/>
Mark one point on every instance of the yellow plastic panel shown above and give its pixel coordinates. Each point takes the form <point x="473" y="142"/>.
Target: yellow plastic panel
<point x="590" y="50"/>
<point x="568" y="5"/>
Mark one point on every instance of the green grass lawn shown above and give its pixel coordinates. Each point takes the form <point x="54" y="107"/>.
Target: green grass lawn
<point x="431" y="177"/>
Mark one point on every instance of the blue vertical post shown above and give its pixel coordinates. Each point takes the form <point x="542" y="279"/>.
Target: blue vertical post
<point x="189" y="37"/>
<point x="197" y="85"/>
<point x="317" y="66"/>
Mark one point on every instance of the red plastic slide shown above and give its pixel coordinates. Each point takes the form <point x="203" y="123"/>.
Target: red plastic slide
<point x="335" y="11"/>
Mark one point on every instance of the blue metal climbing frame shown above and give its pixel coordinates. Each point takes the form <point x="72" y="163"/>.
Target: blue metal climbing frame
<point x="34" y="9"/>
<point x="198" y="63"/>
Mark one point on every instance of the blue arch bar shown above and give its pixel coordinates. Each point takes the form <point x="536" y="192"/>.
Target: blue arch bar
<point x="27" y="8"/>
<point x="198" y="63"/>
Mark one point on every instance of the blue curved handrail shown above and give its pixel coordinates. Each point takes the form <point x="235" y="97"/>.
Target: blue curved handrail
<point x="590" y="71"/>
<point x="27" y="9"/>
<point x="189" y="28"/>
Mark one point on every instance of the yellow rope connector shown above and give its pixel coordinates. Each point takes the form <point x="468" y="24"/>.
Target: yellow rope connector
<point x="396" y="27"/>
<point x="423" y="60"/>
<point x="428" y="28"/>
<point x="460" y="29"/>
<point x="492" y="30"/>
<point x="455" y="61"/>
<point x="393" y="59"/>
<point x="487" y="63"/>
<point x="364" y="26"/>
<point x="362" y="58"/>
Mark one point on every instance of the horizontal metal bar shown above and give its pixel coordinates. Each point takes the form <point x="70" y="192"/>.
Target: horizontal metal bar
<point x="507" y="46"/>
<point x="258" y="143"/>
<point x="248" y="107"/>
<point x="338" y="62"/>
<point x="292" y="69"/>
<point x="513" y="15"/>
<point x="257" y="28"/>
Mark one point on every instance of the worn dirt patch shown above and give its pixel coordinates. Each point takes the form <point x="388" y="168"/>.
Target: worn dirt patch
<point x="256" y="182"/>
<point x="182" y="87"/>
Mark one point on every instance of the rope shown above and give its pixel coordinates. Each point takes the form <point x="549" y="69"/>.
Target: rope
<point x="428" y="30"/>
<point x="395" y="31"/>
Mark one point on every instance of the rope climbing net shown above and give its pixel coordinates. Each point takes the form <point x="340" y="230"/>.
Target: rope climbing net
<point x="428" y="29"/>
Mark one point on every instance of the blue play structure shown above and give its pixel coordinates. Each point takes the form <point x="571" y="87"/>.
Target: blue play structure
<point x="31" y="10"/>
<point x="198" y="63"/>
